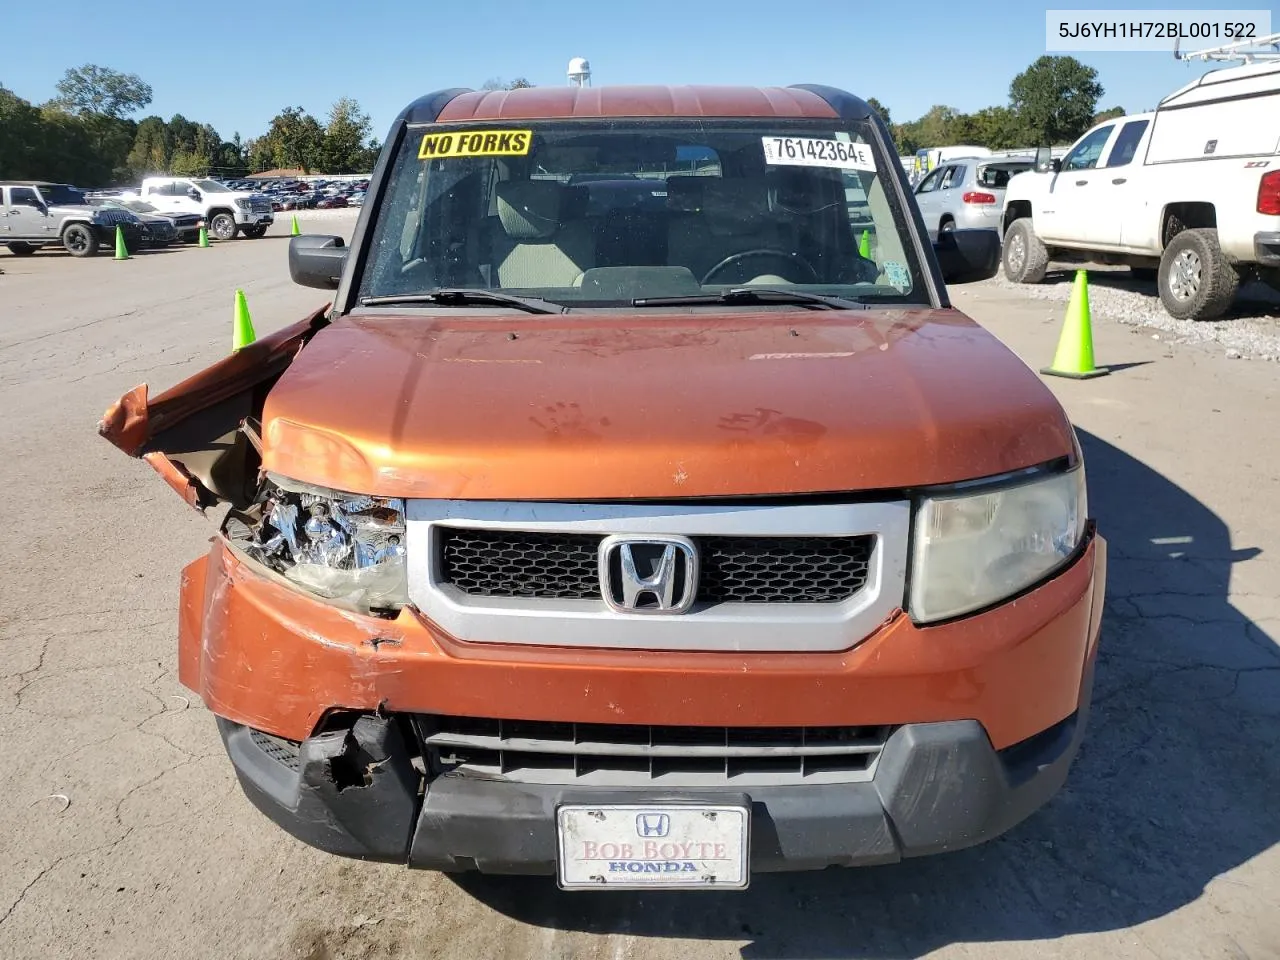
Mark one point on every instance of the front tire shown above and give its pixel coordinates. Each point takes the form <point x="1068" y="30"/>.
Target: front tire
<point x="79" y="240"/>
<point x="222" y="226"/>
<point x="254" y="232"/>
<point x="19" y="249"/>
<point x="1196" y="280"/>
<point x="1025" y="258"/>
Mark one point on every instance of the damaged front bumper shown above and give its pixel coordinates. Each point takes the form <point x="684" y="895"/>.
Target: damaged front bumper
<point x="357" y="792"/>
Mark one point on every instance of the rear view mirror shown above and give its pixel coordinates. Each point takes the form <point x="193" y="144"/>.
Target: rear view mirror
<point x="966" y="256"/>
<point x="317" y="261"/>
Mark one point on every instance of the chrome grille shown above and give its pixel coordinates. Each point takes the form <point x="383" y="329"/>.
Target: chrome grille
<point x="637" y="755"/>
<point x="507" y="563"/>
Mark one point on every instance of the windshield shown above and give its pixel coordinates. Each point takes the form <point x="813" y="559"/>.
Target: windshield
<point x="62" y="195"/>
<point x="606" y="212"/>
<point x="211" y="186"/>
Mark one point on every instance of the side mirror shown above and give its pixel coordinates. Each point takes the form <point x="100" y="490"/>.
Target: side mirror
<point x="194" y="194"/>
<point x="317" y="261"/>
<point x="967" y="256"/>
<point x="1046" y="162"/>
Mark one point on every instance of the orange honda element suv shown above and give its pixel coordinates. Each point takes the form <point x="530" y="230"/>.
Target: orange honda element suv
<point x="640" y="513"/>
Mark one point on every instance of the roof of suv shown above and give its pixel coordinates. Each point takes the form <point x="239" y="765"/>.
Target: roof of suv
<point x="548" y="103"/>
<point x="33" y="183"/>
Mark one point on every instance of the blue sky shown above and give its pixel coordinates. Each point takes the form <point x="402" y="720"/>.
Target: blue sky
<point x="237" y="70"/>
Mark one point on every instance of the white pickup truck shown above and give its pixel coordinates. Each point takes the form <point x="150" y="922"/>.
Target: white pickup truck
<point x="226" y="211"/>
<point x="1188" y="195"/>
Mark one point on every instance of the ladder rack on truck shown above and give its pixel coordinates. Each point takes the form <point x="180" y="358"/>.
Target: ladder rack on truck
<point x="1247" y="51"/>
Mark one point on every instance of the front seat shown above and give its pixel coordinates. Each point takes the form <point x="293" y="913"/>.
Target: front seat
<point x="542" y="243"/>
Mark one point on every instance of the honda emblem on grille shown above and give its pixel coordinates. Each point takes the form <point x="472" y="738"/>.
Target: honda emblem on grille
<point x="648" y="574"/>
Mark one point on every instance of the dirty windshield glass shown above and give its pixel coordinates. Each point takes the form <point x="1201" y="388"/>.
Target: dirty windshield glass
<point x="607" y="212"/>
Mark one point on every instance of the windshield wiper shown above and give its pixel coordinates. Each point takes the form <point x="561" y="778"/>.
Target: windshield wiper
<point x="462" y="296"/>
<point x="750" y="296"/>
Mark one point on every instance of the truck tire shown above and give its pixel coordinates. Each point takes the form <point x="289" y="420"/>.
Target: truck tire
<point x="222" y="226"/>
<point x="19" y="249"/>
<point x="80" y="240"/>
<point x="1196" y="281"/>
<point x="254" y="232"/>
<point x="1025" y="258"/>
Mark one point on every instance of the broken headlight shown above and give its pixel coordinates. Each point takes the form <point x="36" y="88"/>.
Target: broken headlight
<point x="340" y="546"/>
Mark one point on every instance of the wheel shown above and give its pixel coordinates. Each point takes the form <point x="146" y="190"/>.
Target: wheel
<point x="1025" y="258"/>
<point x="19" y="249"/>
<point x="1145" y="274"/>
<point x="1196" y="281"/>
<point x="79" y="240"/>
<point x="254" y="232"/>
<point x="947" y="226"/>
<point x="222" y="226"/>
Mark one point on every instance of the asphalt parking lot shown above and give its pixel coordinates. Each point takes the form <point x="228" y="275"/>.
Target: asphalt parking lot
<point x="124" y="834"/>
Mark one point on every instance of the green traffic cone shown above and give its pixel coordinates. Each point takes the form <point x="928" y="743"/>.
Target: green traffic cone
<point x="204" y="238"/>
<point x="297" y="231"/>
<point x="122" y="251"/>
<point x="1074" y="356"/>
<point x="242" y="330"/>
<point x="864" y="245"/>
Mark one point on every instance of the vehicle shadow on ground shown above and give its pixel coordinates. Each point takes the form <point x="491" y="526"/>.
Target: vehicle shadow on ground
<point x="1174" y="786"/>
<point x="1254" y="299"/>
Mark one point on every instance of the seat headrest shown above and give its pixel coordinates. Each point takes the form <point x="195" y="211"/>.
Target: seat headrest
<point x="530" y="209"/>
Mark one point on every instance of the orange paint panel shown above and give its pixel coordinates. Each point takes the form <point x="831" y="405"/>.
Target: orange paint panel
<point x="276" y="659"/>
<point x="657" y="405"/>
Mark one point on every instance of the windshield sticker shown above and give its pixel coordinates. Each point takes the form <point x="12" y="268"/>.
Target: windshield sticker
<point x="897" y="275"/>
<point x="482" y="143"/>
<point x="813" y="152"/>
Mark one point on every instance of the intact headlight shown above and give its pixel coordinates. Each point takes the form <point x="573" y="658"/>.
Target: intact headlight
<point x="241" y="202"/>
<point x="974" y="549"/>
<point x="340" y="546"/>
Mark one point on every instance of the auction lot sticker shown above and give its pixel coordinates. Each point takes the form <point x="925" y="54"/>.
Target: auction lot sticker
<point x="817" y="152"/>
<point x="475" y="143"/>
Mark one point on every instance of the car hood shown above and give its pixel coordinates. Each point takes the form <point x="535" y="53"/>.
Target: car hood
<point x="110" y="214"/>
<point x="656" y="405"/>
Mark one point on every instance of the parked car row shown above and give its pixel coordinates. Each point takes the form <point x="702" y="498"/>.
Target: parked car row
<point x="35" y="214"/>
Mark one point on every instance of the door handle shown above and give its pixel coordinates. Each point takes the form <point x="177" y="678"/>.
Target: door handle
<point x="1082" y="183"/>
<point x="1119" y="180"/>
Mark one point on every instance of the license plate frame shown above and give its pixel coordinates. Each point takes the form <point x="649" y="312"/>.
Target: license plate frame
<point x="671" y="825"/>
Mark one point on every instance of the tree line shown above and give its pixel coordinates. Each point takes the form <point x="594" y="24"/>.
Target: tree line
<point x="86" y="134"/>
<point x="1050" y="103"/>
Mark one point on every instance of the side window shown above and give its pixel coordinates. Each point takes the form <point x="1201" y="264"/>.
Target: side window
<point x="1127" y="143"/>
<point x="953" y="177"/>
<point x="157" y="189"/>
<point x="930" y="183"/>
<point x="1085" y="154"/>
<point x="23" y="197"/>
<point x="180" y="188"/>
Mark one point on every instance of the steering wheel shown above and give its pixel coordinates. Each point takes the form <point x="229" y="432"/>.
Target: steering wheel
<point x="762" y="253"/>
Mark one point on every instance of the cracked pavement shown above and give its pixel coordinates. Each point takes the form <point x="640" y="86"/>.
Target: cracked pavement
<point x="1163" y="844"/>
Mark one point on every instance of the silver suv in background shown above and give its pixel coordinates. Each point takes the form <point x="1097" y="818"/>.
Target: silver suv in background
<point x="967" y="193"/>
<point x="36" y="214"/>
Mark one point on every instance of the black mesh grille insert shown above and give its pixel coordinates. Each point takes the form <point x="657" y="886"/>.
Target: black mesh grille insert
<point x="282" y="751"/>
<point x="564" y="566"/>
